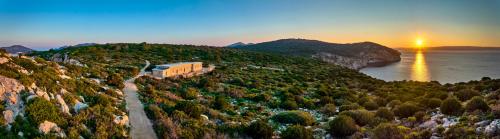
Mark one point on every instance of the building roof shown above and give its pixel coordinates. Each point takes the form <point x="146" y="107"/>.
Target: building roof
<point x="166" y="66"/>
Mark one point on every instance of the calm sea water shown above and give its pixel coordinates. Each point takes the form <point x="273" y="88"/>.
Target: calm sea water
<point x="445" y="66"/>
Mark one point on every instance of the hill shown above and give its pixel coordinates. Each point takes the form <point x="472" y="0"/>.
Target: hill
<point x="352" y="55"/>
<point x="260" y="95"/>
<point x="14" y="49"/>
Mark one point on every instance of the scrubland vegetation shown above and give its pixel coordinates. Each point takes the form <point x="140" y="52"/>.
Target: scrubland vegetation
<point x="258" y="95"/>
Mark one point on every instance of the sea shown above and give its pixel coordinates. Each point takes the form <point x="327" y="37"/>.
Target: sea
<point x="445" y="65"/>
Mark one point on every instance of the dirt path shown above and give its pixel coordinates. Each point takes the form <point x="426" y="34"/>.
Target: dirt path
<point x="141" y="127"/>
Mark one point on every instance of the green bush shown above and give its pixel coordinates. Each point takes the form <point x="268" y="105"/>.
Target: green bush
<point x="260" y="130"/>
<point x="477" y="103"/>
<point x="433" y="103"/>
<point x="289" y="105"/>
<point x="115" y="80"/>
<point x="406" y="110"/>
<point x="394" y="103"/>
<point x="466" y="94"/>
<point x="385" y="113"/>
<point x="329" y="109"/>
<point x="221" y="103"/>
<point x="190" y="108"/>
<point x="342" y="126"/>
<point x="387" y="131"/>
<point x="294" y="117"/>
<point x="190" y="93"/>
<point x="370" y="105"/>
<point x="297" y="132"/>
<point x="349" y="107"/>
<point x="451" y="106"/>
<point x="40" y="110"/>
<point x="362" y="117"/>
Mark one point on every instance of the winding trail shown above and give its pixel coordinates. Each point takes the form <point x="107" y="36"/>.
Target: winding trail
<point x="141" y="127"/>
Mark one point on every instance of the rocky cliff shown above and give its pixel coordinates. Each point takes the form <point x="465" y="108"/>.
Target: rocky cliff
<point x="352" y="55"/>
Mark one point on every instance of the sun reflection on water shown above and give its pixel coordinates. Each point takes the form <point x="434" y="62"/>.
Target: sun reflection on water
<point x="419" y="69"/>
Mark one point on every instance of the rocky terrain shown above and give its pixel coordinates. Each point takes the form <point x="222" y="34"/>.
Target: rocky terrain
<point x="47" y="99"/>
<point x="352" y="55"/>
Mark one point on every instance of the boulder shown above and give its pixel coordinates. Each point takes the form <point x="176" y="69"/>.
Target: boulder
<point x="42" y="94"/>
<point x="493" y="128"/>
<point x="121" y="120"/>
<point x="9" y="88"/>
<point x="64" y="107"/>
<point x="4" y="60"/>
<point x="47" y="126"/>
<point x="8" y="115"/>
<point x="428" y="124"/>
<point x="482" y="123"/>
<point x="79" y="105"/>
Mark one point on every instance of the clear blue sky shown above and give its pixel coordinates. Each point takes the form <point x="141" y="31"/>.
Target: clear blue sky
<point x="52" y="23"/>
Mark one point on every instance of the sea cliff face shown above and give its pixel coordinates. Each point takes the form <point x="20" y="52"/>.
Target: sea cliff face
<point x="361" y="60"/>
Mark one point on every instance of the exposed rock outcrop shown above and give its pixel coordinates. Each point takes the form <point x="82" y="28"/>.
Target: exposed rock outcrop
<point x="46" y="127"/>
<point x="8" y="115"/>
<point x="4" y="60"/>
<point x="121" y="120"/>
<point x="61" y="102"/>
<point x="64" y="58"/>
<point x="9" y="89"/>
<point x="79" y="105"/>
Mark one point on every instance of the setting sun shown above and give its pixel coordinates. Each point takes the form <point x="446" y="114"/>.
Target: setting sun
<point x="419" y="43"/>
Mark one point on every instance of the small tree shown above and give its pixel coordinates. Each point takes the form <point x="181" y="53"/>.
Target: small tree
<point x="406" y="110"/>
<point x="451" y="106"/>
<point x="297" y="132"/>
<point x="342" y="126"/>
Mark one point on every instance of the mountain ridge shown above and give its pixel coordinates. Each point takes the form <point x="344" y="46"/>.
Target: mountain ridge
<point x="14" y="49"/>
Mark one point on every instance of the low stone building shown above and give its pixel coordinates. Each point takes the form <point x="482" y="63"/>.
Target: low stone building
<point x="183" y="69"/>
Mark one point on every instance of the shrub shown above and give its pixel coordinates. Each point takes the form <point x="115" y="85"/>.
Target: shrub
<point x="221" y="103"/>
<point x="190" y="108"/>
<point x="289" y="105"/>
<point x="405" y="110"/>
<point x="115" y="80"/>
<point x="466" y="94"/>
<point x="477" y="103"/>
<point x="294" y="117"/>
<point x="370" y="105"/>
<point x="329" y="109"/>
<point x="394" y="103"/>
<point x="362" y="117"/>
<point x="190" y="93"/>
<point x="387" y="131"/>
<point x="451" y="106"/>
<point x="342" y="126"/>
<point x="419" y="116"/>
<point x="385" y="113"/>
<point x="40" y="110"/>
<point x="349" y="107"/>
<point x="297" y="132"/>
<point x="433" y="103"/>
<point x="259" y="130"/>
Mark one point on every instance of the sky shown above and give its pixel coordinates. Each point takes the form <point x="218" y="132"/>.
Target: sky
<point x="43" y="24"/>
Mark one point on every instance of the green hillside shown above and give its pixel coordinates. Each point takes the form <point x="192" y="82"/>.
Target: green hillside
<point x="258" y="95"/>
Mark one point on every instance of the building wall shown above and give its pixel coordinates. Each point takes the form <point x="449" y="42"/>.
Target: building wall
<point x="182" y="69"/>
